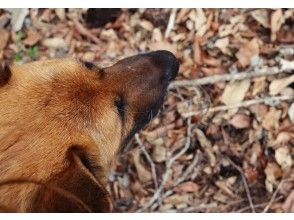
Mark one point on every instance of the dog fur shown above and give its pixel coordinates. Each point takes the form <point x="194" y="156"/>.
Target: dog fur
<point x="62" y="123"/>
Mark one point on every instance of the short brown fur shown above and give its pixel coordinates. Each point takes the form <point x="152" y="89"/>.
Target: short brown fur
<point x="59" y="126"/>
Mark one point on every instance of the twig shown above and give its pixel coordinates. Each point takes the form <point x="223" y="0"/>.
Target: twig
<point x="168" y="171"/>
<point x="183" y="177"/>
<point x="245" y="184"/>
<point x="188" y="170"/>
<point x="152" y="165"/>
<point x="269" y="100"/>
<point x="229" y="77"/>
<point x="171" y="22"/>
<point x="261" y="205"/>
<point x="83" y="31"/>
<point x="273" y="198"/>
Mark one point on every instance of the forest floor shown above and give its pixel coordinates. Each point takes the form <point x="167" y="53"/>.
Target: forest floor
<point x="224" y="140"/>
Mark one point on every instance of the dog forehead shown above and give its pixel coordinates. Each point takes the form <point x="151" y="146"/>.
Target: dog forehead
<point x="47" y="68"/>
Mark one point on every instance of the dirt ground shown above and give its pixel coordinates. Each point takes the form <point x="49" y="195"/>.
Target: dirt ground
<point x="224" y="140"/>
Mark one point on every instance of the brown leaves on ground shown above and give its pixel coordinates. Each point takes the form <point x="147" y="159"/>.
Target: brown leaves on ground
<point x="257" y="138"/>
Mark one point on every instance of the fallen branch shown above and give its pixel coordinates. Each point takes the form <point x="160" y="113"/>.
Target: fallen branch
<point x="152" y="165"/>
<point x="273" y="198"/>
<point x="168" y="170"/>
<point x="83" y="31"/>
<point x="231" y="77"/>
<point x="269" y="100"/>
<point x="245" y="184"/>
<point x="171" y="22"/>
<point x="185" y="175"/>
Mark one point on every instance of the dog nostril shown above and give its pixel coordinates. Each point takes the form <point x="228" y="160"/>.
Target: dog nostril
<point x="166" y="60"/>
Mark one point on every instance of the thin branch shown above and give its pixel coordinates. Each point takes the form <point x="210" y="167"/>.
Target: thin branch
<point x="273" y="198"/>
<point x="171" y="22"/>
<point x="245" y="184"/>
<point x="230" y="77"/>
<point x="83" y="31"/>
<point x="168" y="171"/>
<point x="152" y="165"/>
<point x="268" y="100"/>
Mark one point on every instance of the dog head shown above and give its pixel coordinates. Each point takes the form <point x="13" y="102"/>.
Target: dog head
<point x="63" y="121"/>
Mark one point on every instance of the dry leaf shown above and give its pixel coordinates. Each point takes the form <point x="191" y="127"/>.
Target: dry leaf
<point x="159" y="153"/>
<point x="60" y="12"/>
<point x="55" y="43"/>
<point x="197" y="51"/>
<point x="271" y="119"/>
<point x="177" y="199"/>
<point x="288" y="206"/>
<point x="144" y="174"/>
<point x="32" y="38"/>
<point x="235" y="92"/>
<point x="278" y="85"/>
<point x="18" y="17"/>
<point x="4" y="37"/>
<point x="273" y="173"/>
<point x="147" y="25"/>
<point x="262" y="17"/>
<point x="240" y="121"/>
<point x="187" y="187"/>
<point x="277" y="20"/>
<point x="223" y="44"/>
<point x="259" y="85"/>
<point x="163" y="45"/>
<point x="291" y="112"/>
<point x="248" y="51"/>
<point x="283" y="158"/>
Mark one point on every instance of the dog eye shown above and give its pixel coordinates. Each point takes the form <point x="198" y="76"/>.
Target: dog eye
<point x="120" y="104"/>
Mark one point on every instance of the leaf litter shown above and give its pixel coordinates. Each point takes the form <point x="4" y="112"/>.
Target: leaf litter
<point x="219" y="137"/>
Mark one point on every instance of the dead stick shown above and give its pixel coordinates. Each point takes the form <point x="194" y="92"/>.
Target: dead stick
<point x="168" y="171"/>
<point x="269" y="100"/>
<point x="83" y="31"/>
<point x="152" y="165"/>
<point x="171" y="22"/>
<point x="245" y="184"/>
<point x="229" y="77"/>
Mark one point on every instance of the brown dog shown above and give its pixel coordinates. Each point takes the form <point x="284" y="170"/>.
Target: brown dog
<point x="62" y="122"/>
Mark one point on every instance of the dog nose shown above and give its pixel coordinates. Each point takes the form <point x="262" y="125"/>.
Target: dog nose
<point x="167" y="62"/>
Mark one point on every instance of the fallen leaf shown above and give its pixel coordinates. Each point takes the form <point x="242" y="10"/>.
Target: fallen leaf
<point x="32" y="38"/>
<point x="240" y="121"/>
<point x="262" y="17"/>
<point x="163" y="45"/>
<point x="223" y="44"/>
<point x="271" y="119"/>
<point x="247" y="52"/>
<point x="291" y="112"/>
<point x="288" y="205"/>
<point x="197" y="51"/>
<point x="54" y="43"/>
<point x="18" y="17"/>
<point x="259" y="85"/>
<point x="4" y="37"/>
<point x="144" y="174"/>
<point x="159" y="153"/>
<point x="283" y="158"/>
<point x="147" y="25"/>
<point x="277" y="20"/>
<point x="278" y="85"/>
<point x="60" y="12"/>
<point x="235" y="92"/>
<point x="177" y="199"/>
<point x="273" y="173"/>
<point x="187" y="187"/>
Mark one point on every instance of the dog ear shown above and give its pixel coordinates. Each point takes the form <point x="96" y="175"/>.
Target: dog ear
<point x="73" y="190"/>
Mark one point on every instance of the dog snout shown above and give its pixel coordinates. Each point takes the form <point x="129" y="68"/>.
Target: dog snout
<point x="167" y="62"/>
